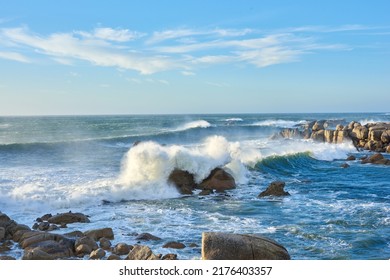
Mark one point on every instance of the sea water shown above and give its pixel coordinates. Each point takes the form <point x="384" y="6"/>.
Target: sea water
<point x="89" y="164"/>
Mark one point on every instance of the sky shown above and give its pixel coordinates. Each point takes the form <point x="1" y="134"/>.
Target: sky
<point x="193" y="57"/>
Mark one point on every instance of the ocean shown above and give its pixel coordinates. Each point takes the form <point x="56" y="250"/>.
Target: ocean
<point x="88" y="164"/>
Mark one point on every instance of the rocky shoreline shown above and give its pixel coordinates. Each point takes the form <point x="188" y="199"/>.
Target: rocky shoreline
<point x="371" y="136"/>
<point x="42" y="244"/>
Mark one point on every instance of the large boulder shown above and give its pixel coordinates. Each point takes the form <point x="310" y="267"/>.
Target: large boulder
<point x="328" y="135"/>
<point x="376" y="159"/>
<point x="319" y="125"/>
<point x="96" y="234"/>
<point x="385" y="137"/>
<point x="276" y="188"/>
<point x="218" y="180"/>
<point x="183" y="180"/>
<point x="227" y="246"/>
<point x="68" y="218"/>
<point x="360" y="132"/>
<point x="318" y="136"/>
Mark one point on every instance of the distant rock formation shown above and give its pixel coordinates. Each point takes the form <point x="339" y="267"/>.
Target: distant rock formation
<point x="371" y="136"/>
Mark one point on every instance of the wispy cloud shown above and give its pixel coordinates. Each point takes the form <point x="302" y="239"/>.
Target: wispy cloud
<point x="183" y="49"/>
<point x="14" y="56"/>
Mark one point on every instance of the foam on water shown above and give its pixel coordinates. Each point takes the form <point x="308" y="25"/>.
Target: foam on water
<point x="193" y="124"/>
<point x="279" y="123"/>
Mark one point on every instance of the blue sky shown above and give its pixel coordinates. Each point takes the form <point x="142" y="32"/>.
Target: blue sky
<point x="158" y="57"/>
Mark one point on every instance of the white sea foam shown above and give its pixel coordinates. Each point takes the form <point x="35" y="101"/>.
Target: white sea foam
<point x="193" y="124"/>
<point x="234" y="120"/>
<point x="279" y="123"/>
<point x="4" y="125"/>
<point x="372" y="120"/>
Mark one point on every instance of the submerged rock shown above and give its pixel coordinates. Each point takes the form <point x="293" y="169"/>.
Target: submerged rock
<point x="276" y="188"/>
<point x="227" y="246"/>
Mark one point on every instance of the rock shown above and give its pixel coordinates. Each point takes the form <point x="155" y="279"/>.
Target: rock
<point x="183" y="180"/>
<point x="96" y="234"/>
<point x="339" y="136"/>
<point x="68" y="218"/>
<point x="97" y="254"/>
<point x="56" y="249"/>
<point x="122" y="249"/>
<point x="45" y="217"/>
<point x="351" y="157"/>
<point x="7" y="258"/>
<point x="227" y="246"/>
<point x="104" y="243"/>
<point x="2" y="233"/>
<point x="147" y="236"/>
<point x="339" y="127"/>
<point x="360" y="132"/>
<point x="44" y="226"/>
<point x="39" y="237"/>
<point x="276" y="188"/>
<point x="385" y="137"/>
<point x="318" y="125"/>
<point x="114" y="257"/>
<point x="373" y="145"/>
<point x="193" y="245"/>
<point x="328" y="136"/>
<point x="318" y="135"/>
<point x="169" y="257"/>
<point x="375" y="133"/>
<point x="291" y="133"/>
<point x="86" y="240"/>
<point x="74" y="234"/>
<point x="82" y="250"/>
<point x="36" y="254"/>
<point x="18" y="235"/>
<point x="174" y="245"/>
<point x="388" y="149"/>
<point x="344" y="165"/>
<point x="218" y="180"/>
<point x="376" y="159"/>
<point x="141" y="253"/>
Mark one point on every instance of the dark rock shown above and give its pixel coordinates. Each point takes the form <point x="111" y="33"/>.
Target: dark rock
<point x="57" y="249"/>
<point x="218" y="180"/>
<point x="227" y="246"/>
<point x="114" y="257"/>
<point x="147" y="237"/>
<point x="44" y="226"/>
<point x="276" y="188"/>
<point x="37" y="254"/>
<point x="183" y="180"/>
<point x="377" y="159"/>
<point x="86" y="240"/>
<point x="385" y="137"/>
<point x="104" y="243"/>
<point x="45" y="217"/>
<point x="351" y="157"/>
<point x="169" y="257"/>
<point x="174" y="245"/>
<point x="74" y="234"/>
<point x="2" y="233"/>
<point x="193" y="245"/>
<point x="344" y="165"/>
<point x="96" y="234"/>
<point x="68" y="218"/>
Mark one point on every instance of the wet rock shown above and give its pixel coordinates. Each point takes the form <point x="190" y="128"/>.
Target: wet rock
<point x="385" y="137"/>
<point x="376" y="159"/>
<point x="227" y="246"/>
<point x="351" y="157"/>
<point x="114" y="257"/>
<point x="2" y="233"/>
<point x="276" y="188"/>
<point x="388" y="149"/>
<point x="86" y="240"/>
<point x="328" y="136"/>
<point x="104" y="243"/>
<point x="37" y="254"/>
<point x="218" y="180"/>
<point x="68" y="218"/>
<point x="319" y="125"/>
<point x="96" y="234"/>
<point x="147" y="236"/>
<point x="74" y="234"/>
<point x="141" y="253"/>
<point x="169" y="257"/>
<point x="122" y="249"/>
<point x="344" y="165"/>
<point x="82" y="250"/>
<point x="174" y="245"/>
<point x="56" y="249"/>
<point x="44" y="226"/>
<point x="183" y="180"/>
<point x="45" y="217"/>
<point x="97" y="254"/>
<point x="318" y="136"/>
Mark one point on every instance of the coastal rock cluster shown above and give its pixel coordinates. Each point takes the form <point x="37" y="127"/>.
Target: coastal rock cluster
<point x="96" y="244"/>
<point x="371" y="136"/>
<point x="219" y="180"/>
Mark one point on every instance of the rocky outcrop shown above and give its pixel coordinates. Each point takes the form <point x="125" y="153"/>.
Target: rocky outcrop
<point x="218" y="180"/>
<point x="68" y="218"/>
<point x="183" y="180"/>
<point x="227" y="246"/>
<point x="276" y="188"/>
<point x="371" y="136"/>
<point x="96" y="234"/>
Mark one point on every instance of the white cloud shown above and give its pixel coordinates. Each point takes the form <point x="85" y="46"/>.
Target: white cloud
<point x="188" y="73"/>
<point x="14" y="56"/>
<point x="110" y="34"/>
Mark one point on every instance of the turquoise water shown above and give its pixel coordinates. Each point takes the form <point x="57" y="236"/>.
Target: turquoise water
<point x="61" y="163"/>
